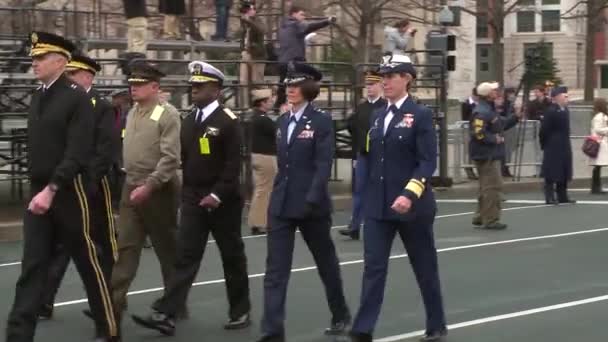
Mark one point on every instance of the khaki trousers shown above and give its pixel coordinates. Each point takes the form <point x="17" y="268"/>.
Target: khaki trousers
<point x="171" y="26"/>
<point x="156" y="218"/>
<point x="490" y="191"/>
<point x="137" y="33"/>
<point x="257" y="76"/>
<point x="264" y="170"/>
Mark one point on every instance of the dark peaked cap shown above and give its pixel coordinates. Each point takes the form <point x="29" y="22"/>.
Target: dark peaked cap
<point x="44" y="42"/>
<point x="300" y="72"/>
<point x="144" y="72"/>
<point x="81" y="61"/>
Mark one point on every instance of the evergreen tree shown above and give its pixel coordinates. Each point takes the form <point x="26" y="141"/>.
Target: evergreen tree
<point x="541" y="66"/>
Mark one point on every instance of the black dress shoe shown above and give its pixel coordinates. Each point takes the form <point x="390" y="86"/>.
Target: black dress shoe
<point x="156" y="321"/>
<point x="360" y="337"/>
<point x="338" y="328"/>
<point x="436" y="336"/>
<point x="344" y="231"/>
<point x="551" y="202"/>
<point x="257" y="231"/>
<point x="495" y="226"/>
<point x="45" y="312"/>
<point x="272" y="338"/>
<point x="567" y="201"/>
<point x="238" y="323"/>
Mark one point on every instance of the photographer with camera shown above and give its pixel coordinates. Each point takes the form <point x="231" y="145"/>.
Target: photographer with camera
<point x="397" y="37"/>
<point x="292" y="43"/>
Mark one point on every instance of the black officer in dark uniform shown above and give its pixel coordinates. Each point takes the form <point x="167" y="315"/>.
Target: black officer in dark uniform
<point x="211" y="203"/>
<point x="60" y="143"/>
<point x="300" y="200"/>
<point x="82" y="70"/>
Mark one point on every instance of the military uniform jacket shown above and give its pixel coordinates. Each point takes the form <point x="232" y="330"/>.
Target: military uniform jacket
<point x="359" y="124"/>
<point x="151" y="147"/>
<point x="486" y="126"/>
<point x="106" y="139"/>
<point x="211" y="156"/>
<point x="401" y="162"/>
<point x="304" y="166"/>
<point x="60" y="133"/>
<point x="555" y="142"/>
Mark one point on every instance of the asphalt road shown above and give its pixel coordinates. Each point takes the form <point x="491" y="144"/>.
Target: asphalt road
<point x="542" y="278"/>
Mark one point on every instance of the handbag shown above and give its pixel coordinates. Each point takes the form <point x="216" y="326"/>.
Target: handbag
<point x="591" y="146"/>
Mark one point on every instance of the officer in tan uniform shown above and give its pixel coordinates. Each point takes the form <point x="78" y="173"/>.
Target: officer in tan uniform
<point x="148" y="206"/>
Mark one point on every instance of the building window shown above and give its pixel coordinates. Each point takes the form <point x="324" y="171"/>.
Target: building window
<point x="551" y="21"/>
<point x="525" y="21"/>
<point x="482" y="26"/>
<point x="484" y="66"/>
<point x="482" y="4"/>
<point x="483" y="52"/>
<point x="527" y="2"/>
<point x="551" y="2"/>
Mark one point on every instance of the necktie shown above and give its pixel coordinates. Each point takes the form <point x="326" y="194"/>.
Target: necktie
<point x="291" y="126"/>
<point x="199" y="115"/>
<point x="392" y="111"/>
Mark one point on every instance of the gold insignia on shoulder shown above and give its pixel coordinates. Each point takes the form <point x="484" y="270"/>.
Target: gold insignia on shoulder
<point x="230" y="113"/>
<point x="34" y="38"/>
<point x="93" y="101"/>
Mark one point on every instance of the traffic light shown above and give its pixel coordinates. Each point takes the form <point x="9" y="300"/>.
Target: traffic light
<point x="442" y="42"/>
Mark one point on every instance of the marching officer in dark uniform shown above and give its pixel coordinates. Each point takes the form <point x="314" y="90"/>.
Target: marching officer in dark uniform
<point x="557" y="149"/>
<point x="399" y="200"/>
<point x="60" y="144"/>
<point x="358" y="127"/>
<point x="211" y="203"/>
<point x="300" y="200"/>
<point x="81" y="70"/>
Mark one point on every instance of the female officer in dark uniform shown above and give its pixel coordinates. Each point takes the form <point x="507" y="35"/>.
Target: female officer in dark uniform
<point x="300" y="200"/>
<point x="399" y="200"/>
<point x="557" y="150"/>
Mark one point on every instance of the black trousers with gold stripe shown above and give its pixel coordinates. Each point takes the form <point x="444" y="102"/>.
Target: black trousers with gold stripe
<point x="103" y="234"/>
<point x="68" y="223"/>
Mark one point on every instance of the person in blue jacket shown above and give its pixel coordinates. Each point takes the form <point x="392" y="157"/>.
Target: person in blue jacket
<point x="557" y="150"/>
<point x="300" y="200"/>
<point x="402" y="158"/>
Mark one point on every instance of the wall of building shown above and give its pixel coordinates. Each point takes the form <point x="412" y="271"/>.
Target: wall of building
<point x="568" y="44"/>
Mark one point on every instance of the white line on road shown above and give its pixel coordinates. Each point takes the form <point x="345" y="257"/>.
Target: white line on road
<point x="499" y="317"/>
<point x="360" y="261"/>
<point x="470" y="200"/>
<point x="344" y="226"/>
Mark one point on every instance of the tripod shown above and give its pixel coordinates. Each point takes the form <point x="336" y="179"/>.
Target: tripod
<point x="524" y="84"/>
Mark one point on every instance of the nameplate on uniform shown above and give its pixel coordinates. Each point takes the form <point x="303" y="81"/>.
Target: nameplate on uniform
<point x="157" y="113"/>
<point x="408" y="121"/>
<point x="204" y="145"/>
<point x="93" y="101"/>
<point x="212" y="131"/>
<point x="306" y="134"/>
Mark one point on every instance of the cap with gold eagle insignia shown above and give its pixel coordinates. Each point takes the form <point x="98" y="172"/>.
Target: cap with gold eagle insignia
<point x="44" y="42"/>
<point x="202" y="72"/>
<point x="80" y="61"/>
<point x="144" y="72"/>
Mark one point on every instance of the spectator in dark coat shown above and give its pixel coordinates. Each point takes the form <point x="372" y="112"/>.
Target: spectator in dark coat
<point x="557" y="149"/>
<point x="539" y="105"/>
<point x="292" y="43"/>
